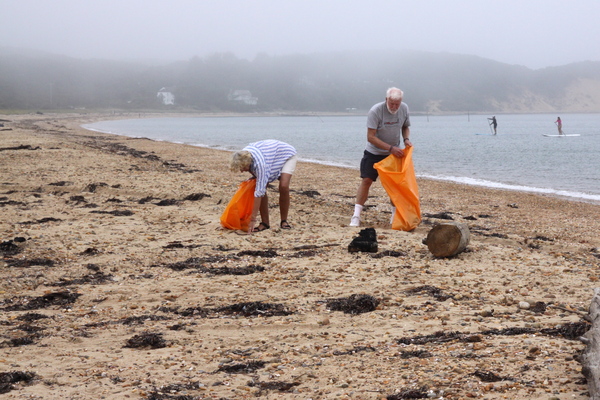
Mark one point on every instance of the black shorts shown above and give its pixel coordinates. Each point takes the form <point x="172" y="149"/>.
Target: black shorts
<point x="366" y="165"/>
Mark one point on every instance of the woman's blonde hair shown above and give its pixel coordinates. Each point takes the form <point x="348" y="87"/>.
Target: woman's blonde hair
<point x="240" y="160"/>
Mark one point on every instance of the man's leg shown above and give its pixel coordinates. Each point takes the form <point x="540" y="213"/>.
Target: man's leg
<point x="362" y="195"/>
<point x="363" y="191"/>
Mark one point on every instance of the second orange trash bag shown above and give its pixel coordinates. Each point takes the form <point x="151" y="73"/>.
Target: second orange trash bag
<point x="238" y="212"/>
<point x="399" y="181"/>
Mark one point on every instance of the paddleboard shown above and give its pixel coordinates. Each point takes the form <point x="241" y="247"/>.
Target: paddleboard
<point x="561" y="135"/>
<point x="485" y="134"/>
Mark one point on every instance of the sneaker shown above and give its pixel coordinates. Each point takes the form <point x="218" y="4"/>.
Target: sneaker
<point x="355" y="221"/>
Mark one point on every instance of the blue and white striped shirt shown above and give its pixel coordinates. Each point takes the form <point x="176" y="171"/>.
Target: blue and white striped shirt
<point x="268" y="157"/>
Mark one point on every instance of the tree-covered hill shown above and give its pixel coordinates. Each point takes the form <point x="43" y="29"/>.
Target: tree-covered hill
<point x="324" y="82"/>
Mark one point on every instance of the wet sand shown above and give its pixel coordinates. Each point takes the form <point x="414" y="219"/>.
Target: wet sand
<point x="117" y="281"/>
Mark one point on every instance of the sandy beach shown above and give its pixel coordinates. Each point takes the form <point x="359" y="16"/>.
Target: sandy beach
<point x="118" y="282"/>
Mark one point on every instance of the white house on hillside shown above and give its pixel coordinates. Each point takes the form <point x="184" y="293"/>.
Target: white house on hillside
<point x="242" y="96"/>
<point x="165" y="96"/>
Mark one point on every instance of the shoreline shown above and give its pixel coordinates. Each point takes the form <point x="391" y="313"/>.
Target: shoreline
<point x="560" y="193"/>
<point x="125" y="285"/>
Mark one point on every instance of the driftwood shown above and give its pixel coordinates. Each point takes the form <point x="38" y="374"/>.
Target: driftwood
<point x="590" y="359"/>
<point x="583" y="315"/>
<point x="447" y="239"/>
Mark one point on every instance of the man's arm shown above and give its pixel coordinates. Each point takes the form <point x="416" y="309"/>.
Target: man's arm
<point x="406" y="136"/>
<point x="375" y="141"/>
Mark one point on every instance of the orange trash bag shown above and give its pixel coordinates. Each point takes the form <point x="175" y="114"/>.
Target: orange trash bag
<point x="238" y="212"/>
<point x="398" y="178"/>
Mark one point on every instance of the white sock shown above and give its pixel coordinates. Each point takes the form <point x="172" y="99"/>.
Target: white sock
<point x="393" y="215"/>
<point x="357" y="210"/>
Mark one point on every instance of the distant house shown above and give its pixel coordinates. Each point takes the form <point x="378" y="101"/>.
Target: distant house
<point x="166" y="97"/>
<point x="242" y="96"/>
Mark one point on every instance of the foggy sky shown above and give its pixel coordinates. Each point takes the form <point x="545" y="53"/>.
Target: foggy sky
<point x="533" y="33"/>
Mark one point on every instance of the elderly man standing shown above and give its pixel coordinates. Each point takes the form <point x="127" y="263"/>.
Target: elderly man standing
<point x="388" y="127"/>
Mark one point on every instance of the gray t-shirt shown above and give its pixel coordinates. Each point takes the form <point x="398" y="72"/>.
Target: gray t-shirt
<point x="389" y="126"/>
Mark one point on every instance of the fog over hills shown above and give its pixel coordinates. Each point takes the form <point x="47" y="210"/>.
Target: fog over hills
<point x="319" y="82"/>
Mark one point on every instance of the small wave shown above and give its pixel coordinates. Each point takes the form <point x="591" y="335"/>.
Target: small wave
<point x="214" y="146"/>
<point x="89" y="128"/>
<point x="328" y="163"/>
<point x="519" y="188"/>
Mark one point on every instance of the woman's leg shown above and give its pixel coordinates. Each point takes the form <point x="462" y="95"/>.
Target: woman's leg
<point x="284" y="195"/>
<point x="264" y="210"/>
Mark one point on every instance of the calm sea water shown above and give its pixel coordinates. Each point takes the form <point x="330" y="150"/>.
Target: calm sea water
<point x="457" y="148"/>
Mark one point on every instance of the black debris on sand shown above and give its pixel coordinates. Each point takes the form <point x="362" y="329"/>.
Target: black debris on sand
<point x="146" y="340"/>
<point x="354" y="304"/>
<point x="366" y="241"/>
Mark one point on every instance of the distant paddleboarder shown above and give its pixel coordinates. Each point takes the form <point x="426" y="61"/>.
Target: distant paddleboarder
<point x="558" y="123"/>
<point x="493" y="123"/>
